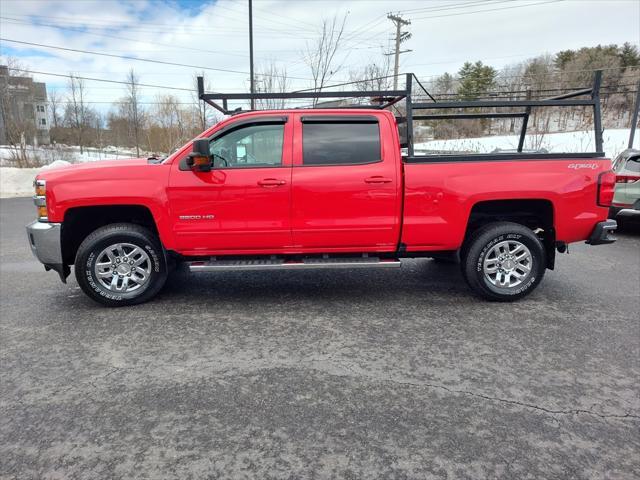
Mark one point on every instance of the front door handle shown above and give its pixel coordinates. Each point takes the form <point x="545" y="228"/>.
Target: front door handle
<point x="271" y="182"/>
<point x="377" y="179"/>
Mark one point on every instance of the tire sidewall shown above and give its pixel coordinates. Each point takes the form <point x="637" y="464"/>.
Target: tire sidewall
<point x="88" y="256"/>
<point x="478" y="252"/>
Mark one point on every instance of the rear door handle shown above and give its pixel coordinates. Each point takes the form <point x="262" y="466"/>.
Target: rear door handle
<point x="377" y="179"/>
<point x="271" y="182"/>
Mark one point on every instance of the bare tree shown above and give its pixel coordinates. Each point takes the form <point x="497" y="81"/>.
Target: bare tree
<point x="135" y="113"/>
<point x="512" y="85"/>
<point x="320" y="53"/>
<point x="444" y="85"/>
<point x="373" y="76"/>
<point x="78" y="109"/>
<point x="55" y="102"/>
<point x="17" y="128"/>
<point x="167" y="129"/>
<point x="16" y="67"/>
<point x="98" y="123"/>
<point x="272" y="80"/>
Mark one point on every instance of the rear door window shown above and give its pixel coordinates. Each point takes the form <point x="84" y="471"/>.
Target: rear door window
<point x="340" y="142"/>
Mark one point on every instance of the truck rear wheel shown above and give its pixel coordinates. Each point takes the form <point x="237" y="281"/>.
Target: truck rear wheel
<point x="503" y="261"/>
<point x="120" y="264"/>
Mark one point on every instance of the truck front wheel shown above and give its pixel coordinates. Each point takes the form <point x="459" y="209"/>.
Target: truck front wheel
<point x="503" y="261"/>
<point x="120" y="264"/>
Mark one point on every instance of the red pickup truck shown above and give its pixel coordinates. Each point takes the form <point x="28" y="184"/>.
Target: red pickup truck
<point x="304" y="189"/>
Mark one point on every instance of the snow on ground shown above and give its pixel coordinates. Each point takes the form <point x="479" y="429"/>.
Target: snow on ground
<point x="16" y="182"/>
<point x="615" y="141"/>
<point x="56" y="164"/>
<point x="49" y="154"/>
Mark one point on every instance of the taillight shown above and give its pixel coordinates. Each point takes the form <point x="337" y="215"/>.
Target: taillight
<point x="606" y="188"/>
<point x="627" y="178"/>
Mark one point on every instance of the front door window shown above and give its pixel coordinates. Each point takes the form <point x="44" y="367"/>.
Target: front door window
<point x="254" y="146"/>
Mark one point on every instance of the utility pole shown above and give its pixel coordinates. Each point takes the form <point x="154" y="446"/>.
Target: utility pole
<point x="634" y="118"/>
<point x="251" y="54"/>
<point x="400" y="38"/>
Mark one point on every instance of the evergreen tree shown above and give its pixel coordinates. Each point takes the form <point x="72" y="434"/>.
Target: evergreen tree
<point x="476" y="79"/>
<point x="629" y="55"/>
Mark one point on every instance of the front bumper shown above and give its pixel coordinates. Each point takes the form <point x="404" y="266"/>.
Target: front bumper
<point x="601" y="232"/>
<point x="45" y="243"/>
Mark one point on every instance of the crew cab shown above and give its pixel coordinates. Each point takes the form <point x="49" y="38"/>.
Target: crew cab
<point x="308" y="189"/>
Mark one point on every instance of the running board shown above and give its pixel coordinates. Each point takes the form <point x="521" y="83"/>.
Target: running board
<point x="281" y="264"/>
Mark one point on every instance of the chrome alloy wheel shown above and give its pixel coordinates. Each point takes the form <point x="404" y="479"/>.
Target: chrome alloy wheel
<point x="122" y="268"/>
<point x="507" y="264"/>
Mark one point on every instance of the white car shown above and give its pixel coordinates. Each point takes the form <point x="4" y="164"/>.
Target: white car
<point x="626" y="201"/>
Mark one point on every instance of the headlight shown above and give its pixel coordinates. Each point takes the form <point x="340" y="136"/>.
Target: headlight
<point x="40" y="199"/>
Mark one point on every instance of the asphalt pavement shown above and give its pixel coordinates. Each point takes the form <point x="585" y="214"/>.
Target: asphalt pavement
<point x="322" y="374"/>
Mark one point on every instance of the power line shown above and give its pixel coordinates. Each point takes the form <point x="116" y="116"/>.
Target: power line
<point x="280" y="16"/>
<point x="454" y="6"/>
<point x="466" y="60"/>
<point x="104" y="80"/>
<point x="84" y="22"/>
<point x="532" y="91"/>
<point x="83" y="30"/>
<point x="117" y="37"/>
<point x="147" y="60"/>
<point x="149" y="27"/>
<point x="488" y="10"/>
<point x="549" y="74"/>
<point x="524" y="97"/>
<point x="347" y="83"/>
<point x="121" y="82"/>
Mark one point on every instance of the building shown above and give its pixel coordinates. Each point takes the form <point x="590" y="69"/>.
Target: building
<point x="23" y="110"/>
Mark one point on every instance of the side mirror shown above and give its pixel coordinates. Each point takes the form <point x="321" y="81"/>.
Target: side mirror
<point x="199" y="159"/>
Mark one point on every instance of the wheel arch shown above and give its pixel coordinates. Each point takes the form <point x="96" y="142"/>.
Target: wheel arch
<point x="538" y="214"/>
<point x="79" y="222"/>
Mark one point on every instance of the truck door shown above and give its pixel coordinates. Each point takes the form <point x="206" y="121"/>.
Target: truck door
<point x="345" y="184"/>
<point x="243" y="203"/>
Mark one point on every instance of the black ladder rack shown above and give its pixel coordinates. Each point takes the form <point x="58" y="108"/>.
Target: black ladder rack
<point x="416" y="111"/>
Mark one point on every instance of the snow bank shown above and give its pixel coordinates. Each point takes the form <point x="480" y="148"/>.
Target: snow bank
<point x="49" y="154"/>
<point x="56" y="164"/>
<point x="16" y="182"/>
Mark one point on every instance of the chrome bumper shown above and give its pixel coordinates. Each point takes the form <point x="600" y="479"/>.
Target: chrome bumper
<point x="45" y="242"/>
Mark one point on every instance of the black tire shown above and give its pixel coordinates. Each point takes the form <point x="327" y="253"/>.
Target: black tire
<point x="480" y="245"/>
<point x="120" y="233"/>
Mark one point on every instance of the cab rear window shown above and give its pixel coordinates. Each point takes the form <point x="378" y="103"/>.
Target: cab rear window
<point x="340" y="143"/>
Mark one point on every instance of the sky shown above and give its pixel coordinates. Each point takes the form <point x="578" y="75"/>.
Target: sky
<point x="213" y="35"/>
